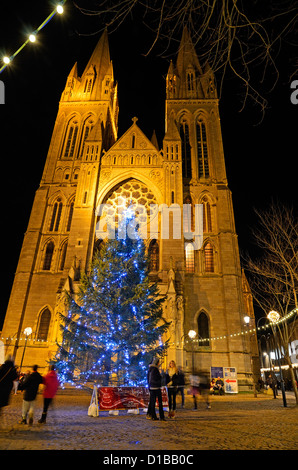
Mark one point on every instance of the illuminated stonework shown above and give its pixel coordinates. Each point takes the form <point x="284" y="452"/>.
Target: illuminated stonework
<point x="132" y="193"/>
<point x="89" y="165"/>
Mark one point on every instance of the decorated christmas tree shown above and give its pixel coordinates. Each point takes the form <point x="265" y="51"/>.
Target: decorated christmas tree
<point x="115" y="327"/>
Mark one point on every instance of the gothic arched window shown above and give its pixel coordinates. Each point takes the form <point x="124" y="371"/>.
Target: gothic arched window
<point x="203" y="328"/>
<point x="48" y="256"/>
<point x="56" y="216"/>
<point x="70" y="213"/>
<point x="87" y="128"/>
<point x="62" y="256"/>
<point x="189" y="258"/>
<point x="71" y="137"/>
<point x="44" y="325"/>
<point x="153" y="256"/>
<point x="202" y="149"/>
<point x="209" y="258"/>
<point x="188" y="215"/>
<point x="190" y="81"/>
<point x="207" y="220"/>
<point x="186" y="151"/>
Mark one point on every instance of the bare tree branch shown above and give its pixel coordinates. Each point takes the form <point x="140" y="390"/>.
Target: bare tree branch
<point x="242" y="38"/>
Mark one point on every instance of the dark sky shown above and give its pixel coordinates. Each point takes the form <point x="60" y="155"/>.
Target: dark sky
<point x="260" y="158"/>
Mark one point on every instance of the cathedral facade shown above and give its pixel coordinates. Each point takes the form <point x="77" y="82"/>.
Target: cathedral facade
<point x="89" y="166"/>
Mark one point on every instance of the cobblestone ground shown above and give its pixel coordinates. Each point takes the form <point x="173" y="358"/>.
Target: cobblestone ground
<point x="238" y="422"/>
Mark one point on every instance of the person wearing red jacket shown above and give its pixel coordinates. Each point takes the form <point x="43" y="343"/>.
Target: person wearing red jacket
<point x="51" y="385"/>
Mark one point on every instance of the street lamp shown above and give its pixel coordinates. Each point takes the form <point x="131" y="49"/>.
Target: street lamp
<point x="27" y="332"/>
<point x="274" y="316"/>
<point x="192" y="334"/>
<point x="246" y="319"/>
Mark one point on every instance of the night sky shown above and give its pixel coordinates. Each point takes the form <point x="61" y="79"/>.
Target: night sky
<point x="260" y="158"/>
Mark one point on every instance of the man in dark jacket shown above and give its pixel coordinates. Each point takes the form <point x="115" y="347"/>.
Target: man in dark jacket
<point x="30" y="387"/>
<point x="8" y="374"/>
<point x="154" y="382"/>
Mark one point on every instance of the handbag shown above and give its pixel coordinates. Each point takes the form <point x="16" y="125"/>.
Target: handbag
<point x="93" y="407"/>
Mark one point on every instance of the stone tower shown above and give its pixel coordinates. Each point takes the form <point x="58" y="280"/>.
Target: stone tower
<point x="88" y="166"/>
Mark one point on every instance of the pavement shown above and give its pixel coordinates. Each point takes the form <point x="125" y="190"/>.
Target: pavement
<point x="234" y="422"/>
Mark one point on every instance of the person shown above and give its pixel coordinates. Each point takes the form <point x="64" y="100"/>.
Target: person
<point x="51" y="385"/>
<point x="154" y="383"/>
<point x="195" y="389"/>
<point x="30" y="386"/>
<point x="271" y="382"/>
<point x="181" y="385"/>
<point x="172" y="384"/>
<point x="8" y="374"/>
<point x="16" y="382"/>
<point x="204" y="387"/>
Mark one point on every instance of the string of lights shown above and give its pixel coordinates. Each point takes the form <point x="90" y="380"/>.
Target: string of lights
<point x="32" y="37"/>
<point x="244" y="332"/>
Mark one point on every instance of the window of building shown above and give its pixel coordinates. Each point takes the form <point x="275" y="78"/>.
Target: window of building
<point x="207" y="220"/>
<point x="189" y="258"/>
<point x="190" y="81"/>
<point x="202" y="149"/>
<point x="203" y="328"/>
<point x="209" y="258"/>
<point x="188" y="215"/>
<point x="154" y="256"/>
<point x="48" y="256"/>
<point x="186" y="151"/>
<point x="70" y="213"/>
<point x="71" y="137"/>
<point x="87" y="128"/>
<point x="56" y="216"/>
<point x="63" y="256"/>
<point x="44" y="325"/>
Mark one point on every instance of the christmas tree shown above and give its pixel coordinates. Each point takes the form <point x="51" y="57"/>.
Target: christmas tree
<point x="115" y="328"/>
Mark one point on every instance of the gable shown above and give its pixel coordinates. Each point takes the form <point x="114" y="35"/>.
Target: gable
<point x="133" y="139"/>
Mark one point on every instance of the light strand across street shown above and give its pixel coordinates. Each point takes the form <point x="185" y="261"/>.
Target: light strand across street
<point x="246" y="331"/>
<point x="199" y="340"/>
<point x="32" y="37"/>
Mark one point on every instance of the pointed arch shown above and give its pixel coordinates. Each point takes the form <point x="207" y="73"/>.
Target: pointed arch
<point x="62" y="257"/>
<point x="153" y="253"/>
<point x="70" y="213"/>
<point x="184" y="130"/>
<point x="87" y="126"/>
<point x="189" y="258"/>
<point x="203" y="328"/>
<point x="48" y="256"/>
<point x="56" y="215"/>
<point x="70" y="137"/>
<point x="44" y="321"/>
<point x="202" y="147"/>
<point x="188" y="215"/>
<point x="209" y="264"/>
<point x="207" y="214"/>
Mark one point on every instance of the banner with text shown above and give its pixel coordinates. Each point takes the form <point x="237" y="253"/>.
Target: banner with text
<point x="123" y="398"/>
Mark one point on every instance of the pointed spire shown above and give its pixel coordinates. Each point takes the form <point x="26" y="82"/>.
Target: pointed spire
<point x="187" y="55"/>
<point x="154" y="140"/>
<point x="100" y="59"/>
<point x="74" y="71"/>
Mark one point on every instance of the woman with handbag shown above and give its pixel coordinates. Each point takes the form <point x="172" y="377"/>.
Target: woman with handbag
<point x="172" y="386"/>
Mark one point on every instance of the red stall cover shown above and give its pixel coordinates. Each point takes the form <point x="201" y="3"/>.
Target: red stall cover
<point x="122" y="398"/>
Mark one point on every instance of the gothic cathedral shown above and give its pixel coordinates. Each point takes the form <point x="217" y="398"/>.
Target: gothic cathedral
<point x="88" y="165"/>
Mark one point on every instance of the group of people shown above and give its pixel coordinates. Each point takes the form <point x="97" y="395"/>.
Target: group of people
<point x="174" y="380"/>
<point x="29" y="385"/>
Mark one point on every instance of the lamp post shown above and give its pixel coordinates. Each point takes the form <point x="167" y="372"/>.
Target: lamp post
<point x="246" y="319"/>
<point x="274" y="316"/>
<point x="27" y="332"/>
<point x="192" y="334"/>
